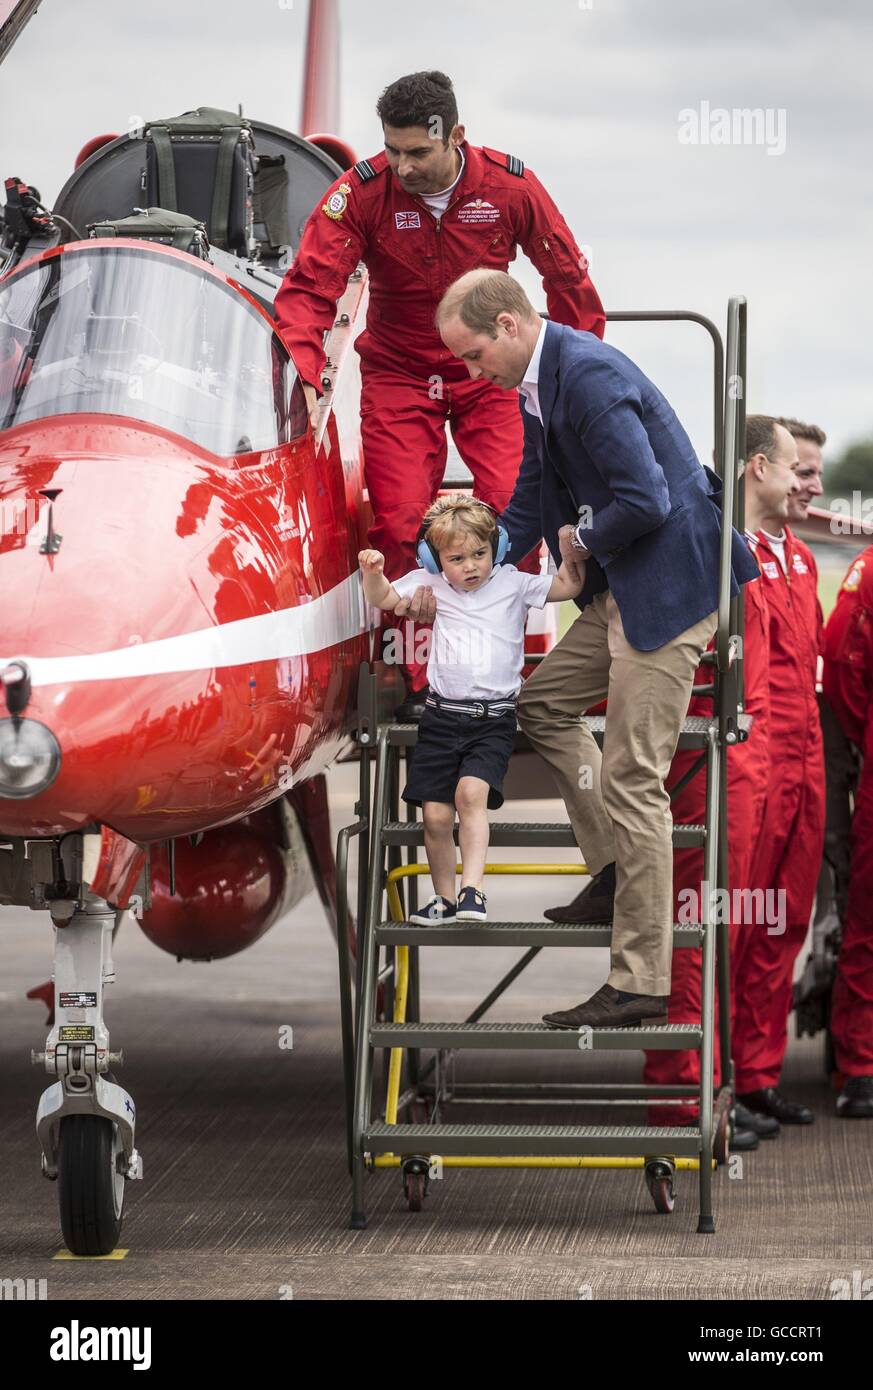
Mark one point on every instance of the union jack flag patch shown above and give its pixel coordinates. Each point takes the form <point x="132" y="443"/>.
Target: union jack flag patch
<point x="404" y="220"/>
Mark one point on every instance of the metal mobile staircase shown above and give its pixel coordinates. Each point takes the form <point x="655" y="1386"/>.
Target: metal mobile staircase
<point x="426" y="1145"/>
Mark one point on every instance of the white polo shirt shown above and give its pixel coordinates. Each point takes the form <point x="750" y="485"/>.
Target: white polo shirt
<point x="477" y="646"/>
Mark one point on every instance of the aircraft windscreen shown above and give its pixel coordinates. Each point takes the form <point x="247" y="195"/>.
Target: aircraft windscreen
<point x="124" y="331"/>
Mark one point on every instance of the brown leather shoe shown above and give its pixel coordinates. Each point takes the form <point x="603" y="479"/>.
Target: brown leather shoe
<point x="594" y="903"/>
<point x="605" y="1010"/>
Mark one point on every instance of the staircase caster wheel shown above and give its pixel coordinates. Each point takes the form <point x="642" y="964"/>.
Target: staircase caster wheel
<point x="659" y="1181"/>
<point x="415" y="1182"/>
<point x="414" y="1190"/>
<point x="721" y="1139"/>
<point x="90" y="1184"/>
<point x="662" y="1195"/>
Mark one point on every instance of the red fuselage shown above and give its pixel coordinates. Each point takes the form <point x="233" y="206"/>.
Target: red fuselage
<point x="194" y="643"/>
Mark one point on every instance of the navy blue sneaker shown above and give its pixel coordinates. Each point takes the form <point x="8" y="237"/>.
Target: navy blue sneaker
<point x="437" y="912"/>
<point x="471" y="906"/>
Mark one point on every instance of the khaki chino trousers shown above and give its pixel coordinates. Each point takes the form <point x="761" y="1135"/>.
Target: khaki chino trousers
<point x="617" y="802"/>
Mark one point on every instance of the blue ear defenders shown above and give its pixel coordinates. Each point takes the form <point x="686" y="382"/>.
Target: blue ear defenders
<point x="429" y="558"/>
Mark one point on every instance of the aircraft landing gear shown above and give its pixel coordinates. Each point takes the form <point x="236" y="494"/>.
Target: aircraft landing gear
<point x="90" y="1184"/>
<point x="85" y="1120"/>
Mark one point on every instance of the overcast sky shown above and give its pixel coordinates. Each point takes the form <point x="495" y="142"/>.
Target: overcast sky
<point x="589" y="95"/>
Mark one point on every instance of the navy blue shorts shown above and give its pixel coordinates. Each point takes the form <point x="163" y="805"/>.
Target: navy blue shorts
<point x="451" y="746"/>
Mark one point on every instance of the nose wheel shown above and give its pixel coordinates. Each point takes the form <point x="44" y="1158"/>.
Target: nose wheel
<point x="90" y="1184"/>
<point x="85" y="1121"/>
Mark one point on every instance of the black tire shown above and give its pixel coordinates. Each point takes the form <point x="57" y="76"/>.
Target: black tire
<point x="662" y="1195"/>
<point x="659" y="1180"/>
<point x="90" y="1190"/>
<point x="415" y="1191"/>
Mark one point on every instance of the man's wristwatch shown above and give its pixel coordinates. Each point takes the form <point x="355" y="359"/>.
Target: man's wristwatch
<point x="578" y="545"/>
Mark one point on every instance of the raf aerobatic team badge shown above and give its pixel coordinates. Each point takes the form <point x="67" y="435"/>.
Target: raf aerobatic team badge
<point x="337" y="202"/>
<point x="852" y="580"/>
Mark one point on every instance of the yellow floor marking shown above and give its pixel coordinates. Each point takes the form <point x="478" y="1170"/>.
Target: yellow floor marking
<point x="65" y="1255"/>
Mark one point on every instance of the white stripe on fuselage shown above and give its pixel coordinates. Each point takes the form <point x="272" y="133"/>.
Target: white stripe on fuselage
<point x="334" y="617"/>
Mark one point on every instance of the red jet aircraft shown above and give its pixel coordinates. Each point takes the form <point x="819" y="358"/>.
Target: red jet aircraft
<point x="182" y="620"/>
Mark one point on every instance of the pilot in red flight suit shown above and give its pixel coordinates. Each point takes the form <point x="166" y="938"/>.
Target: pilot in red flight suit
<point x="419" y="215"/>
<point x="767" y="489"/>
<point x="788" y="858"/>
<point x="848" y="688"/>
<point x="748" y="771"/>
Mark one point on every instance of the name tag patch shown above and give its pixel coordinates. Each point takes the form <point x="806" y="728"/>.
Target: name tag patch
<point x="478" y="211"/>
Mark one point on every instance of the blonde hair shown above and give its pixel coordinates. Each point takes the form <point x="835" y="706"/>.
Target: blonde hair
<point x="457" y="515"/>
<point x="479" y="296"/>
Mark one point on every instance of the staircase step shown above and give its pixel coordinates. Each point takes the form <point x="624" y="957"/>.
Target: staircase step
<point x="535" y="1036"/>
<point x="526" y="834"/>
<point x="557" y="1141"/>
<point x="696" y="730"/>
<point x="514" y="934"/>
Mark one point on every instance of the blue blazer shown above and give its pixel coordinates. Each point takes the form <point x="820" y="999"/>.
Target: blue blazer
<point x="612" y="443"/>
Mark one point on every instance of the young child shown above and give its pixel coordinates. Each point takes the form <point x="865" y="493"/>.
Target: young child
<point x="467" y="731"/>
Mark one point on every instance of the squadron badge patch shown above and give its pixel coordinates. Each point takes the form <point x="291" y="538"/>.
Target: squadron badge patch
<point x="853" y="578"/>
<point x="337" y="202"/>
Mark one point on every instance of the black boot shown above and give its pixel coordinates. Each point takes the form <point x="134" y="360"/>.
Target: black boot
<point x="855" y="1102"/>
<point x="764" y="1125"/>
<point x="594" y="904"/>
<point x="769" y="1102"/>
<point x="743" y="1141"/>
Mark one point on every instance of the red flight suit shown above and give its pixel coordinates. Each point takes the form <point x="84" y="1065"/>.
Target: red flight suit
<point x="788" y="855"/>
<point x="411" y="384"/>
<point x="848" y="688"/>
<point x="748" y="776"/>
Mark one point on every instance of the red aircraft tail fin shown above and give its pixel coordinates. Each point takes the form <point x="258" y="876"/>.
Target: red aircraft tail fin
<point x="320" y="109"/>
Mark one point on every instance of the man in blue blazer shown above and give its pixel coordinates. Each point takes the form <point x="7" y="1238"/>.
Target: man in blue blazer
<point x="610" y="479"/>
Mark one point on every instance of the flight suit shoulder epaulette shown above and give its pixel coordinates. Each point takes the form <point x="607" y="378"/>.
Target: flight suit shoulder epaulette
<point x="510" y="162"/>
<point x="367" y="169"/>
